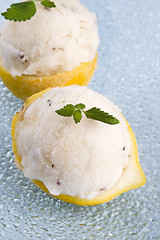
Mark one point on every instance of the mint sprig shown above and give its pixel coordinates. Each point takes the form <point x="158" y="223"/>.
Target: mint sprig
<point x="66" y="111"/>
<point x="48" y="4"/>
<point x="20" y="11"/>
<point x="94" y="113"/>
<point x="24" y="10"/>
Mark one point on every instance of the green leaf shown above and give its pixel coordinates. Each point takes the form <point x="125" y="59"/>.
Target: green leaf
<point x="93" y="113"/>
<point x="48" y="3"/>
<point x="77" y="115"/>
<point x="66" y="111"/>
<point x="20" y="11"/>
<point x="97" y="114"/>
<point x="80" y="106"/>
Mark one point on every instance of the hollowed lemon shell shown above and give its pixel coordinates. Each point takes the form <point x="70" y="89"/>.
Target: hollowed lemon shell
<point x="26" y="85"/>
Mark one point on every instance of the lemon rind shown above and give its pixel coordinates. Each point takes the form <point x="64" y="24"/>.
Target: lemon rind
<point x="26" y="85"/>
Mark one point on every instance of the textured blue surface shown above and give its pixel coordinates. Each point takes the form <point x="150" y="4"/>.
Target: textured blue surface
<point x="129" y="74"/>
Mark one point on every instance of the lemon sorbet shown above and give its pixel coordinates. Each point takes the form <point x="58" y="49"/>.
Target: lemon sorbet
<point x="87" y="163"/>
<point x="56" y="47"/>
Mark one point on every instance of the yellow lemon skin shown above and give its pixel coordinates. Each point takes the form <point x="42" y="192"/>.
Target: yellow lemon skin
<point x="132" y="176"/>
<point x="26" y="85"/>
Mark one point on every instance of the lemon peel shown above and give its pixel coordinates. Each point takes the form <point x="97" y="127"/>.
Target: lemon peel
<point x="132" y="176"/>
<point x="26" y="85"/>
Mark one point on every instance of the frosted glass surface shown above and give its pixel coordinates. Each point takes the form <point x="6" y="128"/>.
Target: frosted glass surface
<point x="129" y="74"/>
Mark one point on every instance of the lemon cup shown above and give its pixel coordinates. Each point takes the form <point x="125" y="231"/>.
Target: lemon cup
<point x="86" y="163"/>
<point x="26" y="85"/>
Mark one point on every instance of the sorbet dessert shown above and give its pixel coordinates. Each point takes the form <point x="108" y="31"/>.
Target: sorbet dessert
<point x="54" y="41"/>
<point x="90" y="162"/>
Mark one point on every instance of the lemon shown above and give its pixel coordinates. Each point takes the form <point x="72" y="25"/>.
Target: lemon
<point x="26" y="85"/>
<point x="132" y="175"/>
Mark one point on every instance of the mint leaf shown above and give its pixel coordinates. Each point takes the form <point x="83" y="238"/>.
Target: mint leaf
<point x="77" y="115"/>
<point x="20" y="11"/>
<point x="71" y="110"/>
<point x="80" y="106"/>
<point x="24" y="10"/>
<point x="93" y="113"/>
<point x="66" y="111"/>
<point x="97" y="114"/>
<point x="48" y="3"/>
